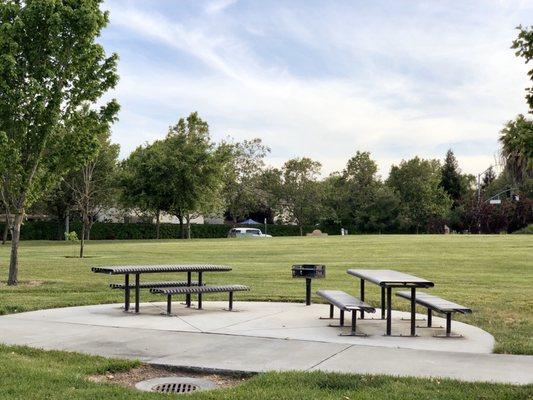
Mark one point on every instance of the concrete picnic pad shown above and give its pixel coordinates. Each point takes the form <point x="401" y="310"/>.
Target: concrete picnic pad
<point x="263" y="336"/>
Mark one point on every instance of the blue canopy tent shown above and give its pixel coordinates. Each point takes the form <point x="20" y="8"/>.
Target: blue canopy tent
<point x="250" y="222"/>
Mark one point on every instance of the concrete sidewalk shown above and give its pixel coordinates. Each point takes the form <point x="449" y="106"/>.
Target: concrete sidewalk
<point x="107" y="331"/>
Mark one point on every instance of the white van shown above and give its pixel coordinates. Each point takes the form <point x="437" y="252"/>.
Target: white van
<point x="247" y="232"/>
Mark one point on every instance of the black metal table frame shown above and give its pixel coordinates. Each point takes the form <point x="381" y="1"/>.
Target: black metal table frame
<point x="127" y="289"/>
<point x="386" y="297"/>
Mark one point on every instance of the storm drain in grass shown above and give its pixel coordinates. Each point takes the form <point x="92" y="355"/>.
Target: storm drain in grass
<point x="175" y="384"/>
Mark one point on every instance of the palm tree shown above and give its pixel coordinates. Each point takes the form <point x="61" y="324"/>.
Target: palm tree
<point x="517" y="148"/>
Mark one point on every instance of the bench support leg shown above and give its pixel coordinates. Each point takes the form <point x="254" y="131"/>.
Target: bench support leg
<point x="189" y="283"/>
<point x="341" y="321"/>
<point x="448" y="324"/>
<point x="126" y="292"/>
<point x="169" y="304"/>
<point x="389" y="311"/>
<point x="137" y="293"/>
<point x="430" y="316"/>
<point x="382" y="303"/>
<point x="230" y="307"/>
<point x="362" y="293"/>
<point x="199" y="294"/>
<point x="353" y="331"/>
<point x="413" y="311"/>
<point x="331" y="313"/>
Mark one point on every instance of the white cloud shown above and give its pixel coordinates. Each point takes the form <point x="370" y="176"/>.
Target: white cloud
<point x="475" y="83"/>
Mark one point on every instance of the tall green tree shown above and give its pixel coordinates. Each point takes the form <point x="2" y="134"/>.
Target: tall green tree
<point x="523" y="45"/>
<point x="301" y="193"/>
<point x="452" y="180"/>
<point x="243" y="191"/>
<point x="194" y="168"/>
<point x="50" y="66"/>
<point x="417" y="182"/>
<point x="142" y="181"/>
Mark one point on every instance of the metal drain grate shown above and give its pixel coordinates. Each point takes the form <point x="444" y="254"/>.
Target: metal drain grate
<point x="175" y="388"/>
<point x="176" y="385"/>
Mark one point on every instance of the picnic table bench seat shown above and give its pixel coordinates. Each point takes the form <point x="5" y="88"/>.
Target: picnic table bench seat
<point x="345" y="302"/>
<point x="437" y="304"/>
<point x="150" y="285"/>
<point x="188" y="290"/>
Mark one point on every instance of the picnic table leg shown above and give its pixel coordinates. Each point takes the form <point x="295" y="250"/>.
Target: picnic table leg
<point x="137" y="276"/>
<point x="362" y="294"/>
<point x="413" y="311"/>
<point x="126" y="292"/>
<point x="382" y="303"/>
<point x="354" y="318"/>
<point x="341" y="319"/>
<point x="430" y="315"/>
<point x="389" y="311"/>
<point x="188" y="295"/>
<point x="331" y="311"/>
<point x="230" y="301"/>
<point x="448" y="324"/>
<point x="169" y="304"/>
<point x="199" y="294"/>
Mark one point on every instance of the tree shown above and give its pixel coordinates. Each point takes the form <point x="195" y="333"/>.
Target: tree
<point x="93" y="186"/>
<point x="523" y="45"/>
<point x="143" y="181"/>
<point x="451" y="178"/>
<point x="417" y="182"/>
<point x="50" y="66"/>
<point x="488" y="178"/>
<point x="194" y="169"/>
<point x="516" y="140"/>
<point x="300" y="192"/>
<point x="361" y="184"/>
<point x="242" y="190"/>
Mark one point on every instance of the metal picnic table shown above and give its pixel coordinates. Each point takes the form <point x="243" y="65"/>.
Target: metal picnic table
<point x="388" y="279"/>
<point x="137" y="270"/>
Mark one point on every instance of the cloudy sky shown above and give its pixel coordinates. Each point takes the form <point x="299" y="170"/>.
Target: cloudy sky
<point x="323" y="79"/>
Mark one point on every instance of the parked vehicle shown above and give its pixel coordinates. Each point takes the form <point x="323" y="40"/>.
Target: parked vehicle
<point x="247" y="232"/>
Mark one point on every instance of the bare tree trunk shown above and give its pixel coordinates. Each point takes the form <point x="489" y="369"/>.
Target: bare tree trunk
<point x="157" y="224"/>
<point x="6" y="228"/>
<point x="82" y="241"/>
<point x="182" y="231"/>
<point x="15" y="238"/>
<point x="67" y="223"/>
<point x="188" y="218"/>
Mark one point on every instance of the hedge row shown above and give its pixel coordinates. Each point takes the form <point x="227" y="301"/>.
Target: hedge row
<point x="51" y="230"/>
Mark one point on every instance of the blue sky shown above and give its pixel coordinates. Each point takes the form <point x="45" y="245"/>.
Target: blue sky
<point x="323" y="79"/>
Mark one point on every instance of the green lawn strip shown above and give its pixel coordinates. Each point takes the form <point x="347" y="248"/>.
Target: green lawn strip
<point x="27" y="373"/>
<point x="491" y="274"/>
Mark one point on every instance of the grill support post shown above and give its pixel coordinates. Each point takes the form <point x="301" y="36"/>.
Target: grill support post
<point x="307" y="291"/>
<point x="430" y="315"/>
<point x="126" y="292"/>
<point x="137" y="292"/>
<point x="230" y="307"/>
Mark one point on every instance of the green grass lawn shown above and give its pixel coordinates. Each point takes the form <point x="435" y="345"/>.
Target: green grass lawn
<point x="491" y="274"/>
<point x="38" y="375"/>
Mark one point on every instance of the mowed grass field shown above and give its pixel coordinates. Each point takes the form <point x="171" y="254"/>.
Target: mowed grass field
<point x="491" y="274"/>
